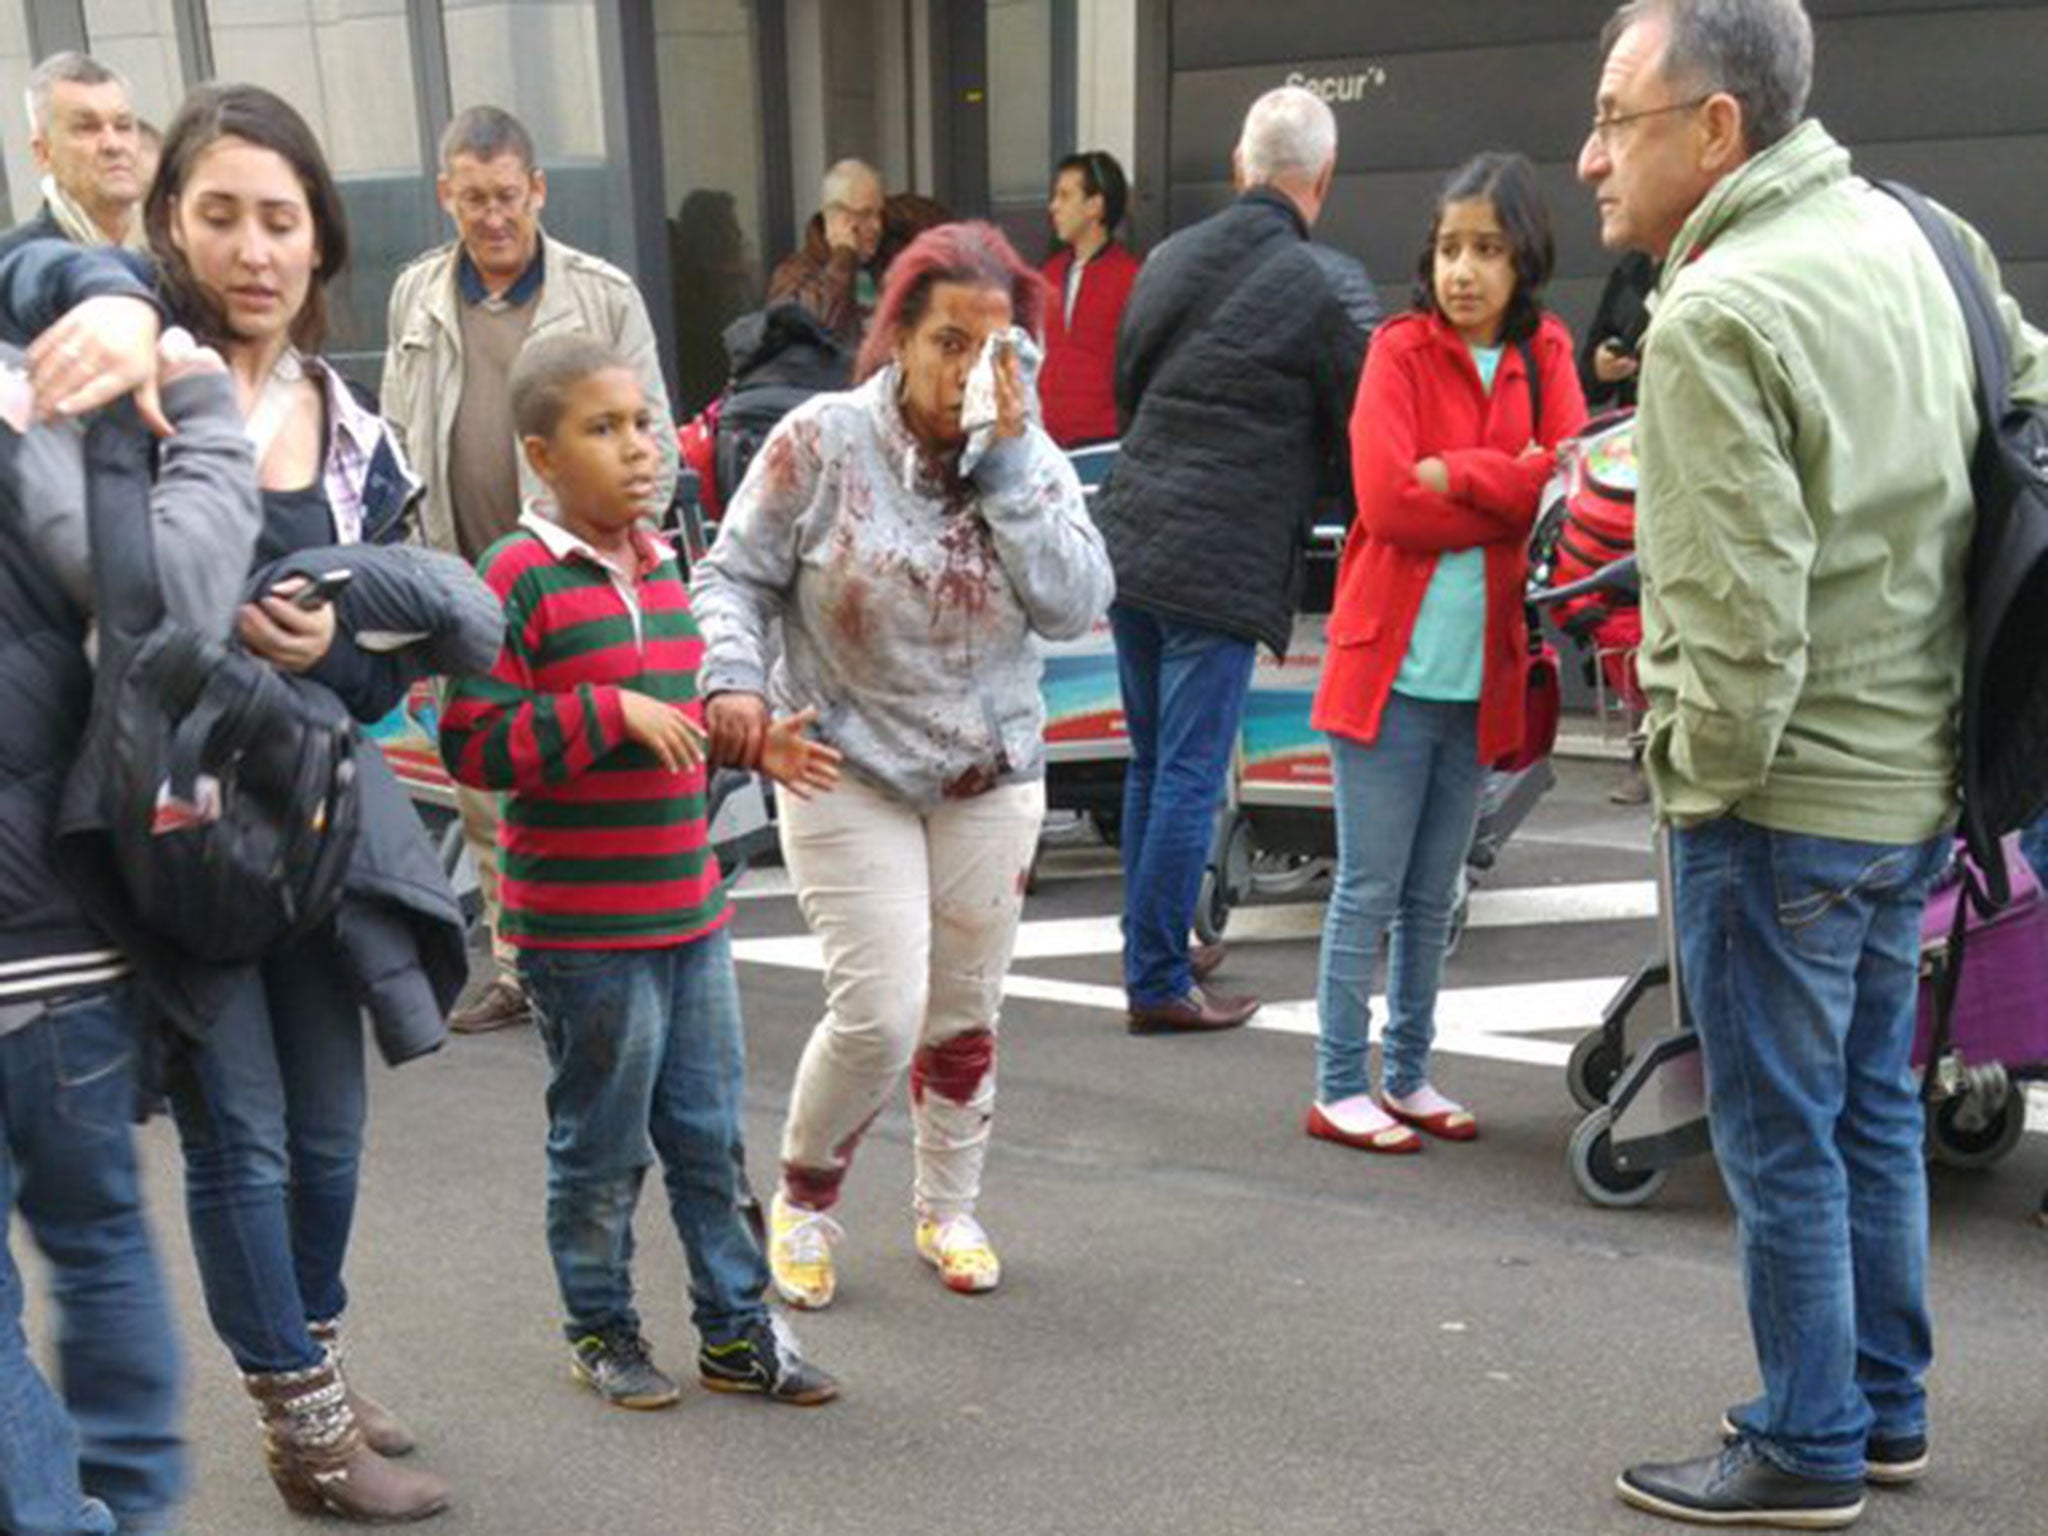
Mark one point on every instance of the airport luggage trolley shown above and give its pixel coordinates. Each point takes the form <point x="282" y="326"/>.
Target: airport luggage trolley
<point x="1085" y="745"/>
<point x="1646" y="1106"/>
<point x="1277" y="833"/>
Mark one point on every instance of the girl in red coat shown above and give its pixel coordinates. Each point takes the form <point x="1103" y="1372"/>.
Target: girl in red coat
<point x="1451" y="443"/>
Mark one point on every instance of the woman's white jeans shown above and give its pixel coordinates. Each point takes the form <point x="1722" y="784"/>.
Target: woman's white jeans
<point x="917" y="911"/>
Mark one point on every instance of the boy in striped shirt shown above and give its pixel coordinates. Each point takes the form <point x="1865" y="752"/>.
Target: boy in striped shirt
<point x="592" y="723"/>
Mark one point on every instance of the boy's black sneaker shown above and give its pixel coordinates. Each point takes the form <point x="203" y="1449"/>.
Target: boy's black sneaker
<point x="764" y="1360"/>
<point x="1740" y="1487"/>
<point x="613" y="1363"/>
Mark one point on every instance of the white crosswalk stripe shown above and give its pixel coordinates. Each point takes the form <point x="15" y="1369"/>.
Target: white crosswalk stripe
<point x="1528" y="1023"/>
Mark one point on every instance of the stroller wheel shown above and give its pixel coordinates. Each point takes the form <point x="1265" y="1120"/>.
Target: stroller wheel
<point x="1591" y="1158"/>
<point x="1970" y="1130"/>
<point x="1596" y="1062"/>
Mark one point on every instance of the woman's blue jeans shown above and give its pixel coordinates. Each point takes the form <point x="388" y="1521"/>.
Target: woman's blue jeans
<point x="1406" y="805"/>
<point x="1800" y="960"/>
<point x="647" y="1059"/>
<point x="271" y="1118"/>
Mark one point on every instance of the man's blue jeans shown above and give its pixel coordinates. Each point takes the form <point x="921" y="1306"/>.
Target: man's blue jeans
<point x="271" y="1119"/>
<point x="647" y="1058"/>
<point x="67" y="1158"/>
<point x="1405" y="808"/>
<point x="2034" y="844"/>
<point x="1183" y="692"/>
<point x="1800" y="959"/>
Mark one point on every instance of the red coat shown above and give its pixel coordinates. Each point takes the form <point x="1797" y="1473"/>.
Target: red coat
<point x="1076" y="387"/>
<point x="1421" y="398"/>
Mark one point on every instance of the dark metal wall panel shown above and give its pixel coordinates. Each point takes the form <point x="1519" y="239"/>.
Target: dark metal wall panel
<point x="1943" y="93"/>
<point x="1223" y="33"/>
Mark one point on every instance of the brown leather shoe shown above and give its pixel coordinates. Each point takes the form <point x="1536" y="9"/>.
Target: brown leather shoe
<point x="501" y="1005"/>
<point x="1198" y="1011"/>
<point x="1204" y="960"/>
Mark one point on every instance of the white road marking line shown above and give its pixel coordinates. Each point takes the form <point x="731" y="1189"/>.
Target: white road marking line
<point x="1489" y="1022"/>
<point x="1486" y="1022"/>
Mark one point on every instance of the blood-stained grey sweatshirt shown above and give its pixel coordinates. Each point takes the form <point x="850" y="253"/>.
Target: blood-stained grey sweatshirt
<point x="907" y="598"/>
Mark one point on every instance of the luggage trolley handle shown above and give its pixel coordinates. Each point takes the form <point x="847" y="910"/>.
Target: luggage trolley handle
<point x="1618" y="577"/>
<point x="1657" y="1112"/>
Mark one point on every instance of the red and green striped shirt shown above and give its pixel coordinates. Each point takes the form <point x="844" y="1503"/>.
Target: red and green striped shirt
<point x="599" y="845"/>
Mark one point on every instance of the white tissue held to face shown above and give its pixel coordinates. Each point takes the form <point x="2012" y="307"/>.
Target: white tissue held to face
<point x="979" y="410"/>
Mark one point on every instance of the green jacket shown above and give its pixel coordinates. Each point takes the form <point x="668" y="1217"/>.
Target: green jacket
<point x="1806" y="418"/>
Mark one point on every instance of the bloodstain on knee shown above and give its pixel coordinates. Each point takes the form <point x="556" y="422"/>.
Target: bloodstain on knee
<point x="815" y="1189"/>
<point x="954" y="1068"/>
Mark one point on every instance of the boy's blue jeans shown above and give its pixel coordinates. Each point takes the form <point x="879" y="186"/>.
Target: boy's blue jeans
<point x="67" y="1160"/>
<point x="1800" y="959"/>
<point x="646" y="1059"/>
<point x="1183" y="694"/>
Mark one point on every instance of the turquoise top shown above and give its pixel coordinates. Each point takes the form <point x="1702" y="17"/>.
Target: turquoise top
<point x="1447" y="650"/>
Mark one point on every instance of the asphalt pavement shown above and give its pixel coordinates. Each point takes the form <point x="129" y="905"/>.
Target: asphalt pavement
<point x="1208" y="1324"/>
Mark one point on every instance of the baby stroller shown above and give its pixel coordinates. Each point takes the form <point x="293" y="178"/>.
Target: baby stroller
<point x="1646" y="1106"/>
<point x="1581" y="555"/>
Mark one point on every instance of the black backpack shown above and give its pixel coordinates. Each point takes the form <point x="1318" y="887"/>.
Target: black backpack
<point x="2004" y="725"/>
<point x="781" y="356"/>
<point x="212" y="812"/>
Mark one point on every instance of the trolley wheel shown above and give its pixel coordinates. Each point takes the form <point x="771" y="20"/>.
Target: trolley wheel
<point x="1109" y="826"/>
<point x="1962" y="1133"/>
<point x="1591" y="1159"/>
<point x="1225" y="881"/>
<point x="1595" y="1066"/>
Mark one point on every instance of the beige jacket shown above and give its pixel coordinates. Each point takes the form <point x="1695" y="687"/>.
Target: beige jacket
<point x="423" y="362"/>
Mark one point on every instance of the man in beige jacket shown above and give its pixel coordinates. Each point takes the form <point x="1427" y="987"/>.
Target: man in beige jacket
<point x="460" y="317"/>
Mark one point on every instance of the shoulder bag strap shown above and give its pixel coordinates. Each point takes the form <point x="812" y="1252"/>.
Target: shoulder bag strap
<point x="128" y="599"/>
<point x="1528" y="356"/>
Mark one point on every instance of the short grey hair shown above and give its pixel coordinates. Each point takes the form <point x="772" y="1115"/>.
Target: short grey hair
<point x="484" y="133"/>
<point x="1288" y="131"/>
<point x="66" y="68"/>
<point x="843" y="177"/>
<point x="1758" y="51"/>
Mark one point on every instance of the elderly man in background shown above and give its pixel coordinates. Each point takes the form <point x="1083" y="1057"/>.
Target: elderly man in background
<point x="82" y="132"/>
<point x="1235" y="368"/>
<point x="460" y="318"/>
<point x="838" y="271"/>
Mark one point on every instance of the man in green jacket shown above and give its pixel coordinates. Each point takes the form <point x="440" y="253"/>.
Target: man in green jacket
<point x="1806" y="420"/>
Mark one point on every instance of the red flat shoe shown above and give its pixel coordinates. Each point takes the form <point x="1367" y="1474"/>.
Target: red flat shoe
<point x="1455" y="1124"/>
<point x="1395" y="1140"/>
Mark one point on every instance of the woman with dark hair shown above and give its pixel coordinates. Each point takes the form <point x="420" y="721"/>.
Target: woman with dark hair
<point x="1090" y="277"/>
<point x="247" y="230"/>
<point x="1454" y="433"/>
<point x="908" y="592"/>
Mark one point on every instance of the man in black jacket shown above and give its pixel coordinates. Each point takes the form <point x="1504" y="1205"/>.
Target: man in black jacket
<point x="1235" y="370"/>
<point x="69" y="1030"/>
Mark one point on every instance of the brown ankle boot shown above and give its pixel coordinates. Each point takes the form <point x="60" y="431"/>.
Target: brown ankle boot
<point x="318" y="1458"/>
<point x="383" y="1431"/>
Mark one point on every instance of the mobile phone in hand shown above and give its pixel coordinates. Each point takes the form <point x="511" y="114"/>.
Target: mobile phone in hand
<point x="321" y="590"/>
